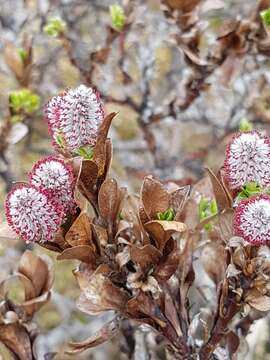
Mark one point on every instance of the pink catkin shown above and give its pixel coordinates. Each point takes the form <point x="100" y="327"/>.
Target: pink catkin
<point x="76" y="115"/>
<point x="55" y="176"/>
<point x="247" y="160"/>
<point x="32" y="213"/>
<point x="252" y="220"/>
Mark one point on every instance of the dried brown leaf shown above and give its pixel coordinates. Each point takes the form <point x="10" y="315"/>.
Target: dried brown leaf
<point x="106" y="333"/>
<point x="171" y="314"/>
<point x="108" y="200"/>
<point x="100" y="151"/>
<point x="123" y="257"/>
<point x="178" y="199"/>
<point x="84" y="253"/>
<point x="145" y="256"/>
<point x="35" y="269"/>
<point x="88" y="175"/>
<point x="222" y="199"/>
<point x="99" y="293"/>
<point x="167" y="266"/>
<point x="143" y="306"/>
<point x="155" y="197"/>
<point x="213" y="258"/>
<point x="161" y="231"/>
<point x="225" y="225"/>
<point x="258" y="301"/>
<point x="190" y="214"/>
<point x="16" y="339"/>
<point x="80" y="232"/>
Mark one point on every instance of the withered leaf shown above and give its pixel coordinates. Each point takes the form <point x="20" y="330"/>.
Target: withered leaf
<point x="155" y="198"/>
<point x="35" y="269"/>
<point x="190" y="214"/>
<point x="108" y="199"/>
<point x="258" y="301"/>
<point x="202" y="187"/>
<point x="143" y="306"/>
<point x="100" y="150"/>
<point x="51" y="246"/>
<point x="80" y="232"/>
<point x="223" y="202"/>
<point x="106" y="333"/>
<point x="100" y="233"/>
<point x="84" y="253"/>
<point x="178" y="199"/>
<point x="225" y="225"/>
<point x="109" y="154"/>
<point x="171" y="314"/>
<point x="161" y="231"/>
<point x="145" y="256"/>
<point x="33" y="305"/>
<point x="123" y="257"/>
<point x="17" y="340"/>
<point x="99" y="293"/>
<point x="29" y="290"/>
<point x="213" y="267"/>
<point x="88" y="175"/>
<point x="167" y="266"/>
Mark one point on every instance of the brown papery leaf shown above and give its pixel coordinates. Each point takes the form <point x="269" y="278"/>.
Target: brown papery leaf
<point x="155" y="197"/>
<point x="143" y="306"/>
<point x="100" y="150"/>
<point x="101" y="236"/>
<point x="108" y="160"/>
<point x="108" y="199"/>
<point x="84" y="253"/>
<point x="202" y="187"/>
<point x="190" y="214"/>
<point x="29" y="290"/>
<point x="100" y="294"/>
<point x="258" y="301"/>
<point x="171" y="314"/>
<point x="161" y="231"/>
<point x="106" y="333"/>
<point x="223" y="202"/>
<point x="16" y="339"/>
<point x="145" y="256"/>
<point x="123" y="257"/>
<point x="213" y="258"/>
<point x="178" y="199"/>
<point x="225" y="225"/>
<point x="167" y="266"/>
<point x="88" y="175"/>
<point x="35" y="304"/>
<point x="80" y="232"/>
<point x="35" y="269"/>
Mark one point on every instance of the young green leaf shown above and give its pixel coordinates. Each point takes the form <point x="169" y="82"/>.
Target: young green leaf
<point x="118" y="17"/>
